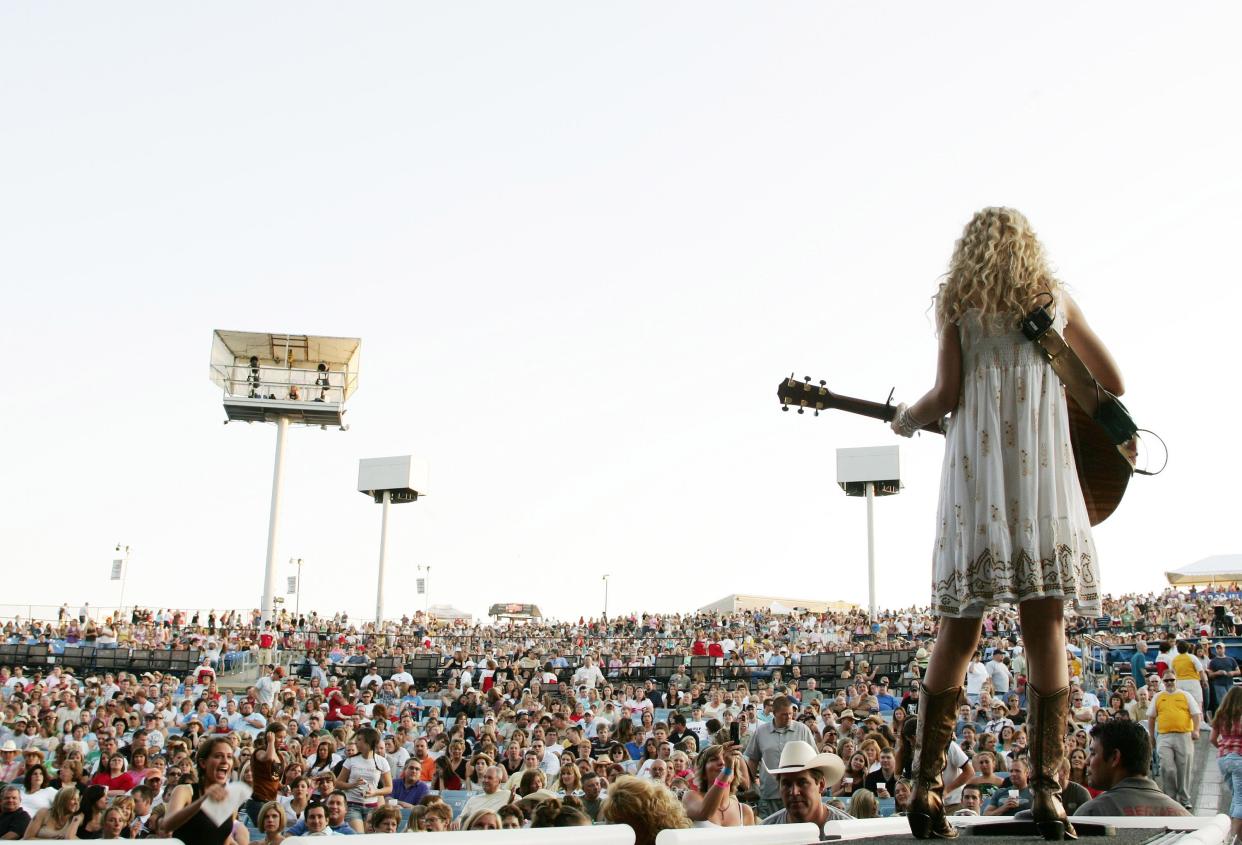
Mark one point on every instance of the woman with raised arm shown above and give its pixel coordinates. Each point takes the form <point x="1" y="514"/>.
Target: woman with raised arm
<point x="1012" y="525"/>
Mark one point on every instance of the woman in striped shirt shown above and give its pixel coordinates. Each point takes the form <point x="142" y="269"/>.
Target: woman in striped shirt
<point x="1227" y="737"/>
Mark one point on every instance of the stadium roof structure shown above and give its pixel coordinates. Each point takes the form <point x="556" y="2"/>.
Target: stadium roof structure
<point x="448" y="612"/>
<point x="1218" y="569"/>
<point x="740" y="601"/>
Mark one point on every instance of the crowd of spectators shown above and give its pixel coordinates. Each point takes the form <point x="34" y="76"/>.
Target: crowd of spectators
<point x="484" y="744"/>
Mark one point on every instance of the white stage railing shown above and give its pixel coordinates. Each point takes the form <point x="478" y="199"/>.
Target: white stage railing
<point x="775" y="834"/>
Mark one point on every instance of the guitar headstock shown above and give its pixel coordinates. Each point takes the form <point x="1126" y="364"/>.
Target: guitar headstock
<point x="802" y="395"/>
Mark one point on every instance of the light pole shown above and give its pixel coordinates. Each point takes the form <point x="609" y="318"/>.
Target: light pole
<point x="605" y="598"/>
<point x="869" y="471"/>
<point x="120" y="547"/>
<point x="389" y="481"/>
<point x="426" y="586"/>
<point x="297" y="608"/>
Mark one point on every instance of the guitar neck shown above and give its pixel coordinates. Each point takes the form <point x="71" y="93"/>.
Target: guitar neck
<point x="803" y="395"/>
<point x="876" y="410"/>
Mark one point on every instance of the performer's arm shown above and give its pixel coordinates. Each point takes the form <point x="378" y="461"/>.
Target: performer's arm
<point x="943" y="396"/>
<point x="1091" y="349"/>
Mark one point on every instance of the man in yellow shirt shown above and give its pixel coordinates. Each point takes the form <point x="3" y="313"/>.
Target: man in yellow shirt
<point x="1190" y="671"/>
<point x="1174" y="720"/>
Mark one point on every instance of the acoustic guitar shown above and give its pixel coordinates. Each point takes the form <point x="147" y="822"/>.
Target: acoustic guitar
<point x="1103" y="472"/>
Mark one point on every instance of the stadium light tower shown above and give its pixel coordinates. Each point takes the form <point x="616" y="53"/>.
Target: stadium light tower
<point x="869" y="471"/>
<point x="284" y="379"/>
<point x="390" y="481"/>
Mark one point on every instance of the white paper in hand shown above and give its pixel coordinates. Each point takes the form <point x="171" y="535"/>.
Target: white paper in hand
<point x="219" y="811"/>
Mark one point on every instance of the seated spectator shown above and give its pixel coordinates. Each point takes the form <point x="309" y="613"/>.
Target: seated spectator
<point x="645" y="806"/>
<point x="986" y="780"/>
<point x="883" y="781"/>
<point x="384" y="819"/>
<point x="485" y="820"/>
<point x="863" y="805"/>
<point x="972" y="801"/>
<point x="511" y="817"/>
<point x="1007" y="802"/>
<point x="1119" y="764"/>
<point x="270" y="822"/>
<point x="554" y="813"/>
<point x="13" y="819"/>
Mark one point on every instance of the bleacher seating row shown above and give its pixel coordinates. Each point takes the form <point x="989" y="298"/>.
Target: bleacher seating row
<point x="424" y="668"/>
<point x="91" y="659"/>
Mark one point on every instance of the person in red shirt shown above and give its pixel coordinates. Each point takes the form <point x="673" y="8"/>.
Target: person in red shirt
<point x="338" y="711"/>
<point x="115" y="778"/>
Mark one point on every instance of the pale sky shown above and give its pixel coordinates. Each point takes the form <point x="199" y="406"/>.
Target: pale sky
<point x="581" y="243"/>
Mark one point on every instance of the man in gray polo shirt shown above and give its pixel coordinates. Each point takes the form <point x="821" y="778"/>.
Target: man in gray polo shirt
<point x="763" y="750"/>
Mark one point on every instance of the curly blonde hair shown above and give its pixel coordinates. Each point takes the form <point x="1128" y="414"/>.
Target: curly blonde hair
<point x="646" y="806"/>
<point x="998" y="267"/>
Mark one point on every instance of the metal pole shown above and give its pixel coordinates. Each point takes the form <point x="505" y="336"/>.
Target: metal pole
<point x="379" y="584"/>
<point x="124" y="576"/>
<point x="870" y="486"/>
<point x="297" y="608"/>
<point x="273" y="525"/>
<point x="605" y="596"/>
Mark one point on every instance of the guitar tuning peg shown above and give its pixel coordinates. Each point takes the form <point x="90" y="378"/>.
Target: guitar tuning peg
<point x="800" y="410"/>
<point x="785" y="408"/>
<point x="823" y="383"/>
<point x="817" y="412"/>
<point x="806" y="379"/>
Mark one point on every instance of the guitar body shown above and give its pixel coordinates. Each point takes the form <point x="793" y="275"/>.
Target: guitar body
<point x="1103" y="472"/>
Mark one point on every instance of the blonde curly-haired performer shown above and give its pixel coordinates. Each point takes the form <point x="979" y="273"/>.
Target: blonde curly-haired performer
<point x="646" y="806"/>
<point x="1012" y="526"/>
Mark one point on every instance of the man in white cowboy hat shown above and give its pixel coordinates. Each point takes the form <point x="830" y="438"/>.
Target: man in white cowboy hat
<point x="803" y="777"/>
<point x="12" y="766"/>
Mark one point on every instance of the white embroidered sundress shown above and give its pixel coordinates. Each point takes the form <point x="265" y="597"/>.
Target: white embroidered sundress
<point x="1011" y="524"/>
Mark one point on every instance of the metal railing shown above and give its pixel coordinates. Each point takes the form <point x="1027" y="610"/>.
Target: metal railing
<point x="290" y="384"/>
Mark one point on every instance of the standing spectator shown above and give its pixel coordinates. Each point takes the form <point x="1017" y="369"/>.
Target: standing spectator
<point x="267" y="643"/>
<point x="1190" y="672"/>
<point x="976" y="674"/>
<point x="1119" y="763"/>
<point x="1138" y="663"/>
<point x="268" y="685"/>
<point x="999" y="674"/>
<point x="366" y="778"/>
<point x="1227" y="737"/>
<point x="764" y="749"/>
<point x="1175" y="715"/>
<point x="1222" y="669"/>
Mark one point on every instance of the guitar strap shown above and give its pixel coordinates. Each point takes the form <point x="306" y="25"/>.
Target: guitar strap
<point x="1102" y="406"/>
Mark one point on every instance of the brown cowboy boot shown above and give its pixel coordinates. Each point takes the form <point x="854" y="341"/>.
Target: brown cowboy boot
<point x="1048" y="713"/>
<point x="936" y="717"/>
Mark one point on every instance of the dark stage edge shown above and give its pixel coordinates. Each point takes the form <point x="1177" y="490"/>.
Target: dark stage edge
<point x="1125" y="836"/>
